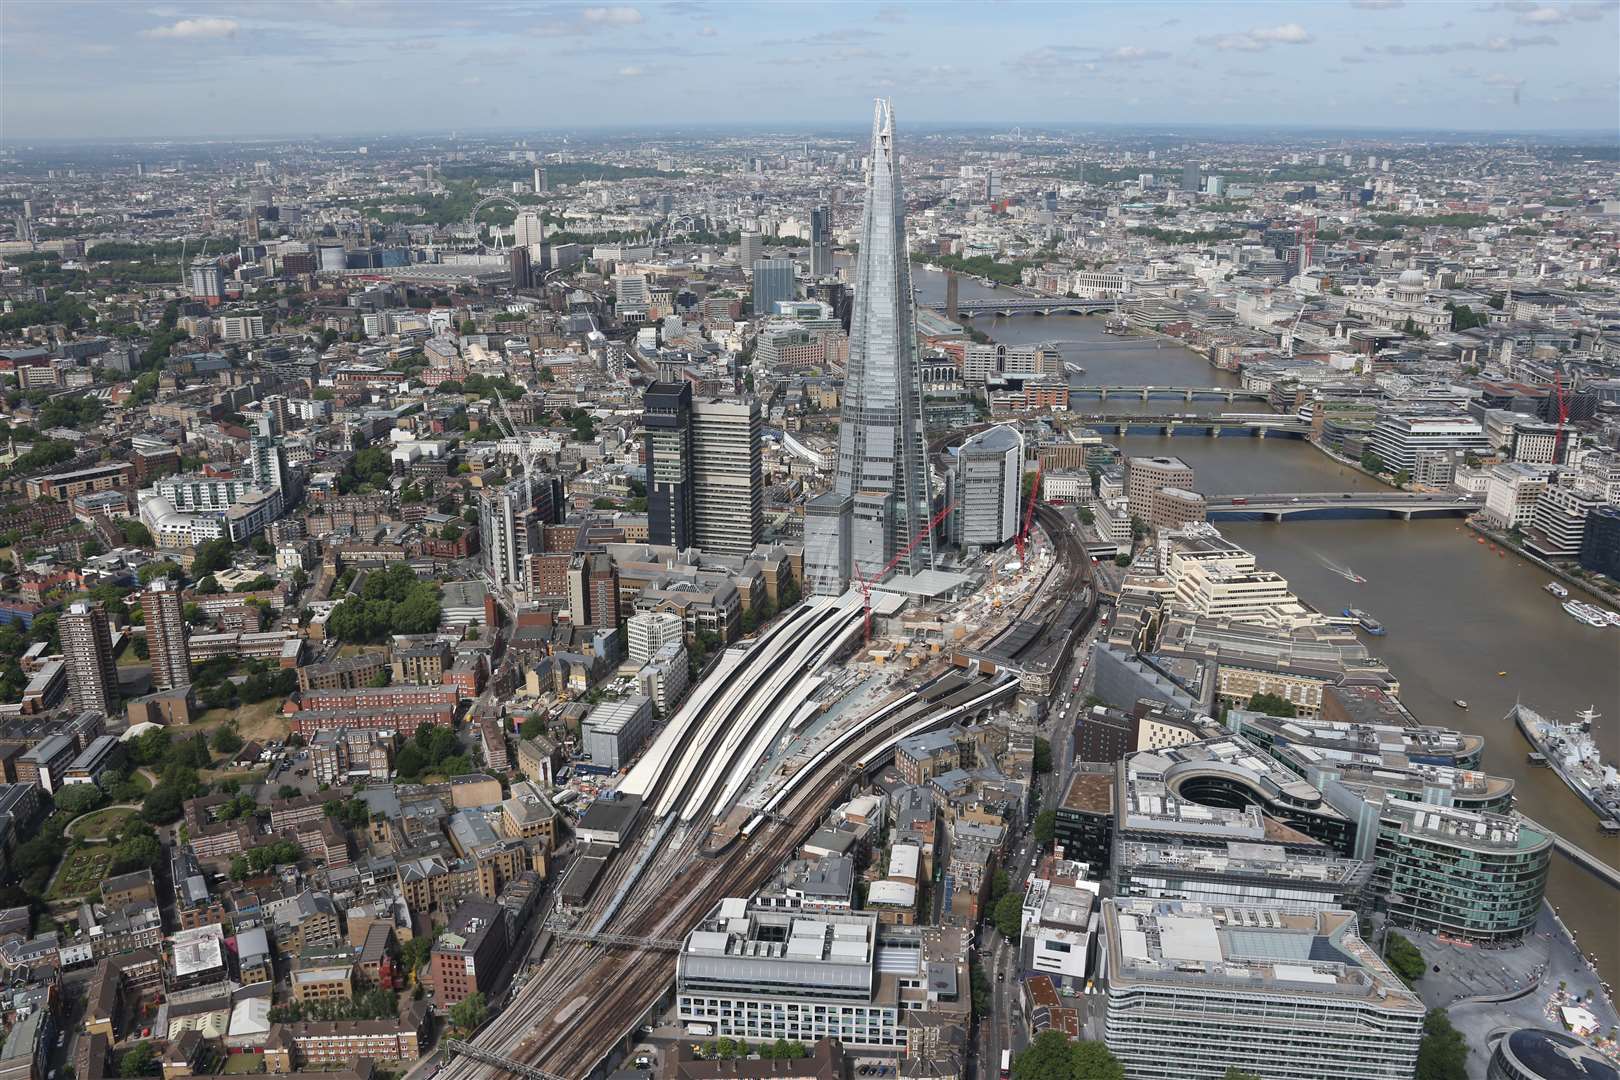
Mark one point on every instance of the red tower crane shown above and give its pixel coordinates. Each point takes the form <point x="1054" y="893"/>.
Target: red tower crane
<point x="866" y="584"/>
<point x="1307" y="243"/>
<point x="1029" y="511"/>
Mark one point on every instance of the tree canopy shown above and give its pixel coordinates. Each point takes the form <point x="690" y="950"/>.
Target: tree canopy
<point x="1443" y="1055"/>
<point x="1009" y="916"/>
<point x="470" y="1012"/>
<point x="1272" y="705"/>
<point x="1051" y="1056"/>
<point x="393" y="601"/>
<point x="1403" y="958"/>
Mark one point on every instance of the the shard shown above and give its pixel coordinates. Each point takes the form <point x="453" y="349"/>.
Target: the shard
<point x="882" y="477"/>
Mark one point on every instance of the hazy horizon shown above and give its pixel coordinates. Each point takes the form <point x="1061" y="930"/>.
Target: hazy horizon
<point x="276" y="70"/>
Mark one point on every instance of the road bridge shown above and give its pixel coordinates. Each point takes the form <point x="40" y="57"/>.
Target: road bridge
<point x="1229" y="394"/>
<point x="1254" y="425"/>
<point x="1395" y="504"/>
<point x="1028" y="305"/>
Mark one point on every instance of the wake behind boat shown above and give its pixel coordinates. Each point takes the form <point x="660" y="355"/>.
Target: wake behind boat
<point x="1343" y="571"/>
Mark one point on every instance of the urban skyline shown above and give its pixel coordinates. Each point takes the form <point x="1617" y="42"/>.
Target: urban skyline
<point x="779" y="576"/>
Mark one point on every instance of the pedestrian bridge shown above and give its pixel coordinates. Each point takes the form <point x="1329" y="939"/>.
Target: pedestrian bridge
<point x="1228" y="394"/>
<point x="1395" y="504"/>
<point x="1223" y="425"/>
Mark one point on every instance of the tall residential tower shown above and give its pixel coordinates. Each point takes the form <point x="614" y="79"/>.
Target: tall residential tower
<point x="881" y="462"/>
<point x="166" y="635"/>
<point x="87" y="648"/>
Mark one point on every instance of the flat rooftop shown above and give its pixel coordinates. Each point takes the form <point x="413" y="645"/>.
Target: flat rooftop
<point x="1240" y="858"/>
<point x="1248" y="949"/>
<point x="1090" y="792"/>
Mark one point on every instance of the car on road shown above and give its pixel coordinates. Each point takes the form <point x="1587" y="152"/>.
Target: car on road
<point x="1001" y="976"/>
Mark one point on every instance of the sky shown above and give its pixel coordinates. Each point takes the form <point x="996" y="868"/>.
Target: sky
<point x="103" y="69"/>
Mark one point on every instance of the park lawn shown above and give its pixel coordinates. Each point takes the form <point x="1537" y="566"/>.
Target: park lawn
<point x="260" y="722"/>
<point x="139" y="779"/>
<point x="101" y="824"/>
<point x="352" y="649"/>
<point x="83" y="870"/>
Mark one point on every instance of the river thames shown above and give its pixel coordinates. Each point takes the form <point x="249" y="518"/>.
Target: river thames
<point x="1457" y="611"/>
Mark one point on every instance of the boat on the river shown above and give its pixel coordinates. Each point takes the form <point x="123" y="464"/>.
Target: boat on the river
<point x="933" y="268"/>
<point x="1572" y="752"/>
<point x="1556" y="589"/>
<point x="1590" y="614"/>
<point x="1073" y="368"/>
<point x="1460" y="703"/>
<point x="1365" y="621"/>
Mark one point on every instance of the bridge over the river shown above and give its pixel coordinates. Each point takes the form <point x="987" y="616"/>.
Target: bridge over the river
<point x="1222" y="425"/>
<point x="1394" y="504"/>
<point x="1228" y="394"/>
<point x="1028" y="305"/>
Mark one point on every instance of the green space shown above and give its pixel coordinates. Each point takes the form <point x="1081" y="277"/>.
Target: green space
<point x="83" y="871"/>
<point x="101" y="824"/>
<point x="1002" y="273"/>
<point x="260" y="721"/>
<point x="243" y="1064"/>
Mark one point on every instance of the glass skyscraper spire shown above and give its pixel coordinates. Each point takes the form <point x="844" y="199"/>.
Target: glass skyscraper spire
<point x="882" y="468"/>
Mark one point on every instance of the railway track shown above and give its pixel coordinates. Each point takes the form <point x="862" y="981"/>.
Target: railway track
<point x="587" y="998"/>
<point x="565" y="1021"/>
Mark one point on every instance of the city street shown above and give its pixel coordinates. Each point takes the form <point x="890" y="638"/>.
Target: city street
<point x="1009" y="1028"/>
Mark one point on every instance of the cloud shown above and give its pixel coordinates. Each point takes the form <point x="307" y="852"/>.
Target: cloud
<point x="472" y="80"/>
<point x="632" y="72"/>
<point x="612" y="16"/>
<point x="198" y="29"/>
<point x="1286" y="34"/>
<point x="1544" y="16"/>
<point x="1441" y="48"/>
<point x="708" y="31"/>
<point x="1496" y="78"/>
<point x="1591" y="12"/>
<point x="1133" y="54"/>
<point x="891" y="14"/>
<point x="1511" y="44"/>
<point x="1260" y="38"/>
<point x="1377" y="5"/>
<point x="1082" y="59"/>
<point x="588" y="21"/>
